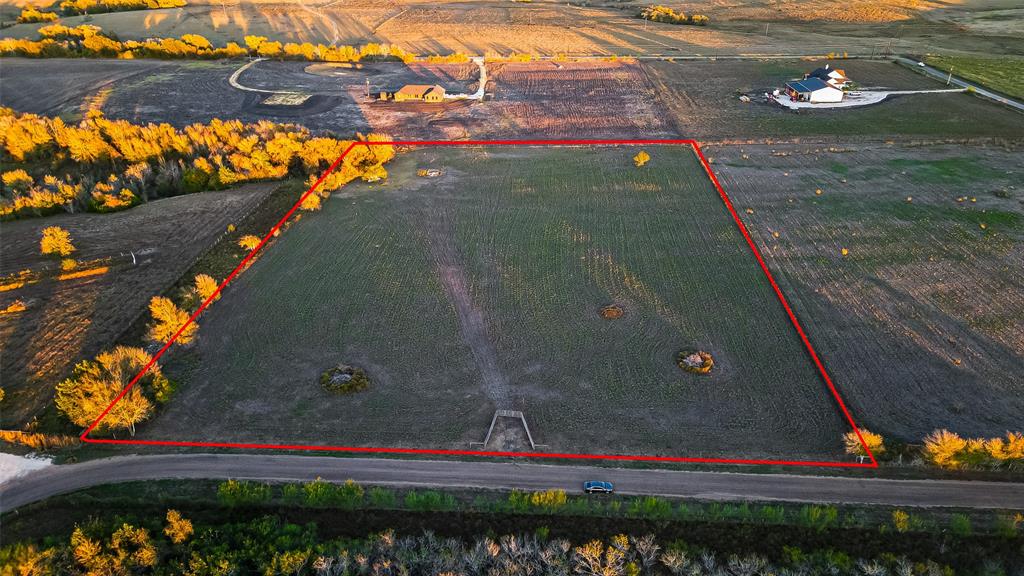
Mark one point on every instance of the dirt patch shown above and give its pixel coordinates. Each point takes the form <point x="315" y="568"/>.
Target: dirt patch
<point x="612" y="312"/>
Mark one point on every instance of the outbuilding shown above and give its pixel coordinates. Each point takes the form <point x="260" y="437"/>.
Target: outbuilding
<point x="813" y="90"/>
<point x="422" y="92"/>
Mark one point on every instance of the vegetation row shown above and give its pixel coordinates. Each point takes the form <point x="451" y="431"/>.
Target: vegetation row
<point x="667" y="15"/>
<point x="30" y="13"/>
<point x="60" y="41"/>
<point x="255" y="540"/>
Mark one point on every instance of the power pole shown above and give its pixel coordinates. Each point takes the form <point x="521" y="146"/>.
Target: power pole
<point x="766" y="29"/>
<point x="950" y="78"/>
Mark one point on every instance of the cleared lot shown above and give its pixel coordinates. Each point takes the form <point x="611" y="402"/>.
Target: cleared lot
<point x="482" y="289"/>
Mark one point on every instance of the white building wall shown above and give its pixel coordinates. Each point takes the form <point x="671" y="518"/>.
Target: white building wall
<point x="827" y="95"/>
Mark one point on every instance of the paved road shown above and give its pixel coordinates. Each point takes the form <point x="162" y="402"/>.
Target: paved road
<point x="939" y="74"/>
<point x="56" y="480"/>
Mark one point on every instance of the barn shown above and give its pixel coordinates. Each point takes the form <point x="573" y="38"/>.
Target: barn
<point x="421" y="92"/>
<point x="813" y="90"/>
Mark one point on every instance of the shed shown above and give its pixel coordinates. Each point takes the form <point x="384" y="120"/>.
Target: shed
<point x="813" y="90"/>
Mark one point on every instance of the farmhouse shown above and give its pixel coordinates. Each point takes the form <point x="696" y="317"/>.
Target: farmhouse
<point x="813" y="90"/>
<point x="419" y="92"/>
<point x="831" y="76"/>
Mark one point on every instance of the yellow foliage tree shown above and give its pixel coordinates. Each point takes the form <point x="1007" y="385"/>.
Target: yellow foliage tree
<point x="56" y="241"/>
<point x="205" y="286"/>
<point x="178" y="528"/>
<point x="30" y="14"/>
<point x="95" y="384"/>
<point x="253" y="42"/>
<point x="130" y="551"/>
<point x="249" y="242"/>
<point x="641" y="158"/>
<point x="942" y="447"/>
<point x="853" y="445"/>
<point x="17" y="180"/>
<point x="1010" y="448"/>
<point x="168" y="319"/>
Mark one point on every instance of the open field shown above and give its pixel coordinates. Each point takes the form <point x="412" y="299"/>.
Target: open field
<point x="701" y="100"/>
<point x="548" y="28"/>
<point x="481" y="289"/>
<point x="608" y="99"/>
<point x="69" y="319"/>
<point x="922" y="323"/>
<point x="1003" y="74"/>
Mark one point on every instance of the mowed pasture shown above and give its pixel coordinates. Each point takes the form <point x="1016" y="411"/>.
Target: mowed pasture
<point x="124" y="259"/>
<point x="481" y="289"/>
<point x="922" y="322"/>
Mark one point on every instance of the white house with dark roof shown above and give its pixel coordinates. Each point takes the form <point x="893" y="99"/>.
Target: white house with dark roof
<point x="813" y="89"/>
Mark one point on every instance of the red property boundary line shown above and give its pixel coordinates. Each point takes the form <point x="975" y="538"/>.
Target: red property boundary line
<point x="383" y="450"/>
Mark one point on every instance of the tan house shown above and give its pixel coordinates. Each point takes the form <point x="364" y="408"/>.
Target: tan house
<point x="420" y="92"/>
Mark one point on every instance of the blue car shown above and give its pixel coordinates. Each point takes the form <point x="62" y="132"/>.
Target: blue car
<point x="598" y="487"/>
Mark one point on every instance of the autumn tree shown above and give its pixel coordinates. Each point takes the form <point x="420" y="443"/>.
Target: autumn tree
<point x="205" y="287"/>
<point x="854" y="446"/>
<point x="249" y="242"/>
<point x="942" y="447"/>
<point x="30" y="14"/>
<point x="641" y="158"/>
<point x="17" y="180"/>
<point x="178" y="528"/>
<point x="253" y="42"/>
<point x="56" y="241"/>
<point x="96" y="383"/>
<point x="129" y="551"/>
<point x="197" y="40"/>
<point x="168" y="319"/>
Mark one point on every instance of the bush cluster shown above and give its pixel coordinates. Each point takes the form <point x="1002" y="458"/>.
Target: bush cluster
<point x="344" y="379"/>
<point x="948" y="450"/>
<point x="30" y="14"/>
<point x="667" y="15"/>
<point x="75" y="7"/>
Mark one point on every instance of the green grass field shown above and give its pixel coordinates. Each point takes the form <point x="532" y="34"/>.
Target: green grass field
<point x="481" y="289"/>
<point x="1004" y="74"/>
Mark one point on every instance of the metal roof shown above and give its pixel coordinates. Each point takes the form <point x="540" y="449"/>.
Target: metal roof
<point x="808" y="85"/>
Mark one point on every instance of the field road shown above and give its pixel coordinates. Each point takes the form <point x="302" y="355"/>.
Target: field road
<point x="55" y="480"/>
<point x="936" y="73"/>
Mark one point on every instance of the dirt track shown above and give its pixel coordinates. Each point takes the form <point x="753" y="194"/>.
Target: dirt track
<point x="500" y="475"/>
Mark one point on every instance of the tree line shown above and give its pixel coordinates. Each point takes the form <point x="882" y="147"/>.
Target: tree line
<point x="946" y="449"/>
<point x="59" y="41"/>
<point x="667" y="15"/>
<point x="103" y="165"/>
<point x="31" y="14"/>
<point x="177" y="545"/>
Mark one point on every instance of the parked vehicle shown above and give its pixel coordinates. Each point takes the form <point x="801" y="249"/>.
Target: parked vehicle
<point x="598" y="487"/>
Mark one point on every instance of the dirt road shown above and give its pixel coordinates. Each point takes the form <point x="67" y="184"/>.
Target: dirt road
<point x="504" y="475"/>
